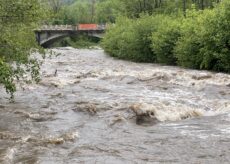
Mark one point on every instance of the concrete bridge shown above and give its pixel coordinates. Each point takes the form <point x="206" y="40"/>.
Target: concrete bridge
<point x="49" y="34"/>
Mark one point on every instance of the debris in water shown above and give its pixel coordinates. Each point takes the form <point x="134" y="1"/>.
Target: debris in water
<point x="201" y="76"/>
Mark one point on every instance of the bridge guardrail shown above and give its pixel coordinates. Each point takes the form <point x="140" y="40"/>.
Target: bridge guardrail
<point x="80" y="27"/>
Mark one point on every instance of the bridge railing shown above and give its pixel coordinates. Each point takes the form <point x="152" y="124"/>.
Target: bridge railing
<point x="101" y="26"/>
<point x="57" y="27"/>
<point x="80" y="27"/>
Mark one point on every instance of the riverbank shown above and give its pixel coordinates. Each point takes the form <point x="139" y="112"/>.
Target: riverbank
<point x="198" y="41"/>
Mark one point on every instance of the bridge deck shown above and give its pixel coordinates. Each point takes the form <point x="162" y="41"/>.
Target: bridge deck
<point x="47" y="34"/>
<point x="68" y="28"/>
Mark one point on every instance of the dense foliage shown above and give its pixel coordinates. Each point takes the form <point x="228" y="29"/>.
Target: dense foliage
<point x="205" y="41"/>
<point x="129" y="38"/>
<point x="101" y="11"/>
<point x="200" y="40"/>
<point x="164" y="39"/>
<point x="17" y="21"/>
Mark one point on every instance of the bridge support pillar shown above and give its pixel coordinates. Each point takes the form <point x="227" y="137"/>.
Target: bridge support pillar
<point x="38" y="37"/>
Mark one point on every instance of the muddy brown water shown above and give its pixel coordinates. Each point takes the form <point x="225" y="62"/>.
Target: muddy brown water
<point x="91" y="108"/>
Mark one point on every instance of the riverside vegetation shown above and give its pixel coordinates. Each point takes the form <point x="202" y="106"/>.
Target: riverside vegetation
<point x="18" y="18"/>
<point x="199" y="41"/>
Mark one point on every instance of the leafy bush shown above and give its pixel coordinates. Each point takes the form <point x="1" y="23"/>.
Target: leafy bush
<point x="199" y="41"/>
<point x="17" y="41"/>
<point x="130" y="38"/>
<point x="205" y="42"/>
<point x="187" y="50"/>
<point x="164" y="40"/>
<point x="115" y="37"/>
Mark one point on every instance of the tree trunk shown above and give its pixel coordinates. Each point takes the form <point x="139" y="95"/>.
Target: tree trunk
<point x="184" y="7"/>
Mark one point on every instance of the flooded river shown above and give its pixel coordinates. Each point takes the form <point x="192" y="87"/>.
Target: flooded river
<point x="91" y="108"/>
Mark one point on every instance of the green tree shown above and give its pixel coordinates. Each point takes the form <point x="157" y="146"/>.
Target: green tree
<point x="109" y="10"/>
<point x="164" y="39"/>
<point x="17" y="20"/>
<point x="136" y="7"/>
<point x="205" y="43"/>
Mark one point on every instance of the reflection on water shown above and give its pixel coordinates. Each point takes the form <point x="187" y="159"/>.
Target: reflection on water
<point x="91" y="108"/>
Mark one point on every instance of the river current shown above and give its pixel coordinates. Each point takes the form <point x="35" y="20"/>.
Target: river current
<point x="92" y="108"/>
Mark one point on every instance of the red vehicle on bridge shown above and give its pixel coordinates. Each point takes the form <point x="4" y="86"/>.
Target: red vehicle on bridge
<point x="87" y="27"/>
<point x="83" y="27"/>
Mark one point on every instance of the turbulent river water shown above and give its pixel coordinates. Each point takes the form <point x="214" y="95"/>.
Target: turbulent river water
<point x="91" y="108"/>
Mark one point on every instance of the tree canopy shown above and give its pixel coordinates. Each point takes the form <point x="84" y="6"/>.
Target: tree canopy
<point x="101" y="11"/>
<point x="18" y="19"/>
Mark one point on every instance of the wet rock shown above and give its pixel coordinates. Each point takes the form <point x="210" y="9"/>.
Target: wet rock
<point x="145" y="120"/>
<point x="143" y="117"/>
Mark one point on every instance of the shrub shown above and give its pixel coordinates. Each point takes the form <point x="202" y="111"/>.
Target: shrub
<point x="205" y="42"/>
<point x="130" y="38"/>
<point x="164" y="40"/>
<point x="200" y="41"/>
<point x="114" y="36"/>
<point x="143" y="28"/>
<point x="187" y="50"/>
<point x="216" y="38"/>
